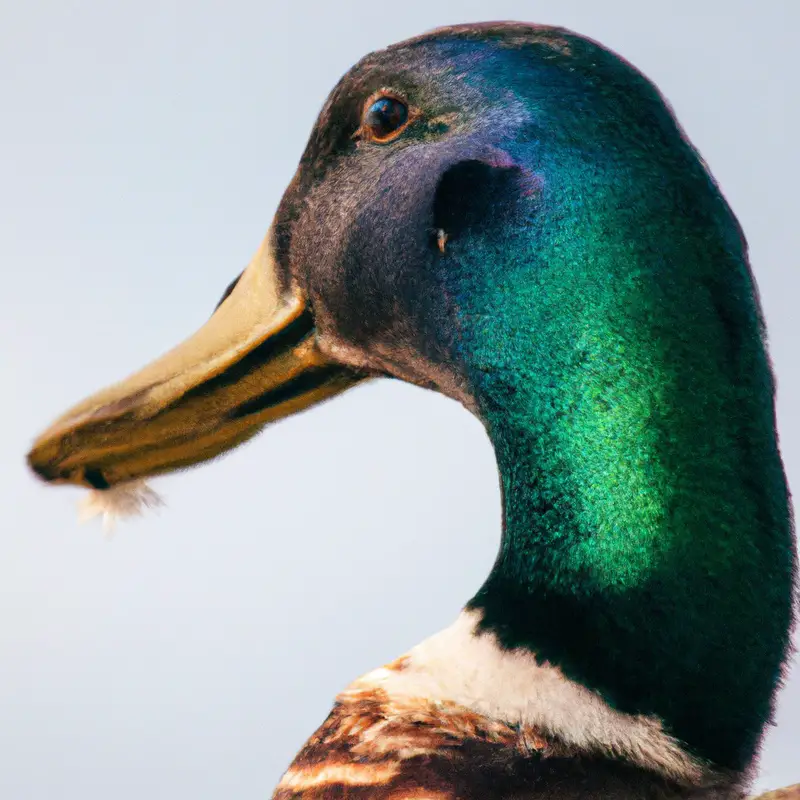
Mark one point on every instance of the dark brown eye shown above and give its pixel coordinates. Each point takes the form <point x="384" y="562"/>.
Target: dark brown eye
<point x="384" y="119"/>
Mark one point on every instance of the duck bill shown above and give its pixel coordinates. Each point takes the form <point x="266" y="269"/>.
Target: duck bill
<point x="255" y="360"/>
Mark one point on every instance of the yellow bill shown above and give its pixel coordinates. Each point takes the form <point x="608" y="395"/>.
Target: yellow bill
<point x="256" y="360"/>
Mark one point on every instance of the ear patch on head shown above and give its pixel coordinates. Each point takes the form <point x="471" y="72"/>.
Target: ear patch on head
<point x="477" y="195"/>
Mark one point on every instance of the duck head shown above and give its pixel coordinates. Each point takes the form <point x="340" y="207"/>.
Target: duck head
<point x="510" y="215"/>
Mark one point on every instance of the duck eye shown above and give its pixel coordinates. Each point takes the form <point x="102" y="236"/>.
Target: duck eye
<point x="384" y="118"/>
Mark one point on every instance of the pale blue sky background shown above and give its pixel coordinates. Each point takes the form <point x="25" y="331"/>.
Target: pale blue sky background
<point x="144" y="147"/>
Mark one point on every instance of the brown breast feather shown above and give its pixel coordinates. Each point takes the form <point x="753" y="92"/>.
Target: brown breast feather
<point x="376" y="747"/>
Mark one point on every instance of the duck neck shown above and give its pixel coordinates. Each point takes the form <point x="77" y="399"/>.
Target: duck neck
<point x="646" y="549"/>
<point x="614" y="350"/>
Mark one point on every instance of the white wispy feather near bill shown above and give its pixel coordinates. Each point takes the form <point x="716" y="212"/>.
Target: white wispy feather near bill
<point x="122" y="501"/>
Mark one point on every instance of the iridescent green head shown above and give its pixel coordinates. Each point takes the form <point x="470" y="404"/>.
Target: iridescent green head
<point x="511" y="215"/>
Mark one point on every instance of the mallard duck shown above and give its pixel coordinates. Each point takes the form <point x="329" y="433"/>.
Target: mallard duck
<point x="510" y="215"/>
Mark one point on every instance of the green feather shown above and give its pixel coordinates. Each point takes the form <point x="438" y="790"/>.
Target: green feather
<point x="614" y="345"/>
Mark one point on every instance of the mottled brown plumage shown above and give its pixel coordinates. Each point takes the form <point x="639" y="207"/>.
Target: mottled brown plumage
<point x="382" y="748"/>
